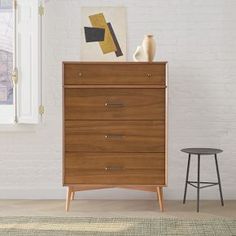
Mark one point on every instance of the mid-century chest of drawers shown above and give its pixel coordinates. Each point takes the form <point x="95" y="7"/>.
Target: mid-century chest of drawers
<point x="115" y="126"/>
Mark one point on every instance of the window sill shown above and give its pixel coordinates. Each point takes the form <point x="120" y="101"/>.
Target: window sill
<point x="22" y="128"/>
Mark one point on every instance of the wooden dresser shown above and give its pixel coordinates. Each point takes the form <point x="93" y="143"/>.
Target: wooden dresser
<point x="115" y="126"/>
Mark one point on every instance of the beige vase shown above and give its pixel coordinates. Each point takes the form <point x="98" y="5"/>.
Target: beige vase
<point x="149" y="47"/>
<point x="139" y="54"/>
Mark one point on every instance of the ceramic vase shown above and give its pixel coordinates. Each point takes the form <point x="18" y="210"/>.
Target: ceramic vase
<point x="149" y="47"/>
<point x="139" y="54"/>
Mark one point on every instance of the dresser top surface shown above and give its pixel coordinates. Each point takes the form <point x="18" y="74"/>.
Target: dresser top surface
<point x="117" y="63"/>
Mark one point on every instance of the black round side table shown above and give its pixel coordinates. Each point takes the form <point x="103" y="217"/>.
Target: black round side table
<point x="202" y="152"/>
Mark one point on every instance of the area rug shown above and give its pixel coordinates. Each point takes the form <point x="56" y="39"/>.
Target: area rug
<point x="74" y="226"/>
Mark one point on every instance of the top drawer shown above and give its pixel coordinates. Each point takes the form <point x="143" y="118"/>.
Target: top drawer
<point x="115" y="74"/>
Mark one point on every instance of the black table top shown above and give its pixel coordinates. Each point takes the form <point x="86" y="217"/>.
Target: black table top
<point x="202" y="151"/>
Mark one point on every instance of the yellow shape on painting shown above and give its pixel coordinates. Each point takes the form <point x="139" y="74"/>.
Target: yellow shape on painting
<point x="108" y="44"/>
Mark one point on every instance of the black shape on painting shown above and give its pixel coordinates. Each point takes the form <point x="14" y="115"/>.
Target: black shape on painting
<point x="118" y="51"/>
<point x="93" y="34"/>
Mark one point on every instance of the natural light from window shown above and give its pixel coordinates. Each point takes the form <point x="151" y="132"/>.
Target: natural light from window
<point x="6" y="61"/>
<point x="6" y="52"/>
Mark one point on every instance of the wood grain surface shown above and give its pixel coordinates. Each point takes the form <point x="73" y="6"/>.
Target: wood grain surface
<point x="114" y="168"/>
<point x="114" y="74"/>
<point x="115" y="104"/>
<point x="114" y="136"/>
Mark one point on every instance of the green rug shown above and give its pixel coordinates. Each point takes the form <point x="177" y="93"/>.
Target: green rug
<point x="73" y="226"/>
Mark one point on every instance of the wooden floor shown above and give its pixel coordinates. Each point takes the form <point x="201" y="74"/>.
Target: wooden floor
<point x="117" y="208"/>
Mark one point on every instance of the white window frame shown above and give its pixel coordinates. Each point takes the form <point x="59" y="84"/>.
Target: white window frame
<point x="27" y="65"/>
<point x="7" y="114"/>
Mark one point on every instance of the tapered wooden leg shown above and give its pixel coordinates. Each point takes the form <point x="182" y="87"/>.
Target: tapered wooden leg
<point x="160" y="197"/>
<point x="73" y="195"/>
<point x="68" y="198"/>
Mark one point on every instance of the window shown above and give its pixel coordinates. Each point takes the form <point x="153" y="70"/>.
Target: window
<point x="20" y="55"/>
<point x="6" y="61"/>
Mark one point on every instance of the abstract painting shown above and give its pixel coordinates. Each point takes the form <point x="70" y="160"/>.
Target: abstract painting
<point x="103" y="34"/>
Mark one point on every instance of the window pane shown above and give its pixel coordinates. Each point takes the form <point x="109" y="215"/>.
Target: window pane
<point x="6" y="52"/>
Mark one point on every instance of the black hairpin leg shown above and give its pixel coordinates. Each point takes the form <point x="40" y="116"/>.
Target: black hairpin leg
<point x="198" y="182"/>
<point x="219" y="182"/>
<point x="186" y="181"/>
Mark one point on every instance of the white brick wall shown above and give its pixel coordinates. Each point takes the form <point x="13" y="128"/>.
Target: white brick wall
<point x="197" y="38"/>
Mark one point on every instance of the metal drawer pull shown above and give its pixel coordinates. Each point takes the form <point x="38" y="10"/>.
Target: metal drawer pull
<point x="114" y="136"/>
<point x="149" y="75"/>
<point x="114" y="168"/>
<point x="114" y="104"/>
<point x="80" y="74"/>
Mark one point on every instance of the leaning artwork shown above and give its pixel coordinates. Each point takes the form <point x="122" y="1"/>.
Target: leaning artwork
<point x="103" y="34"/>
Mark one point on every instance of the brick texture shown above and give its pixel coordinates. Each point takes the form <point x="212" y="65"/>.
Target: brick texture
<point x="197" y="38"/>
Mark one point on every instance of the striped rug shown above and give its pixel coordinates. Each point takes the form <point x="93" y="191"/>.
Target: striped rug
<point x="74" y="226"/>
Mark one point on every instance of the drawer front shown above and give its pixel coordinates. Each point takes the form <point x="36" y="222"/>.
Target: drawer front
<point x="119" y="104"/>
<point x="115" y="136"/>
<point x="114" y="74"/>
<point x="114" y="168"/>
<point x="114" y="161"/>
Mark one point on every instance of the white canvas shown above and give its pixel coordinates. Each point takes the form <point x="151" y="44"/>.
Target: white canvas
<point x="117" y="17"/>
